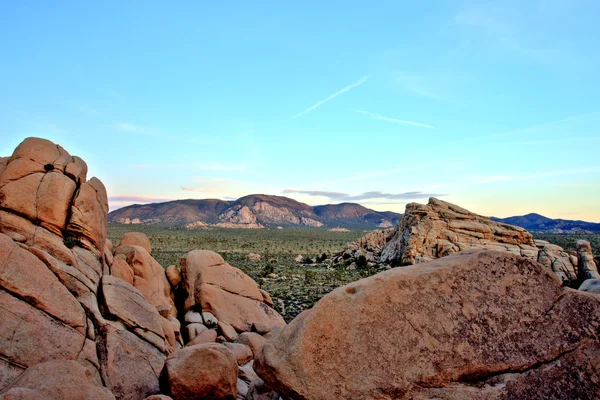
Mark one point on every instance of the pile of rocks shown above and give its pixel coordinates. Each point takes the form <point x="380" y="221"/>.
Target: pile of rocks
<point x="81" y="319"/>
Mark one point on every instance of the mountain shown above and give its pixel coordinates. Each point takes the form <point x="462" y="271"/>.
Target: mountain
<point x="253" y="211"/>
<point x="537" y="222"/>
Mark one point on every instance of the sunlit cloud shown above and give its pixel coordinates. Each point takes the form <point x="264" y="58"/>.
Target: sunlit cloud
<point x="337" y="196"/>
<point x="333" y="96"/>
<point x="137" y="199"/>
<point x="395" y="120"/>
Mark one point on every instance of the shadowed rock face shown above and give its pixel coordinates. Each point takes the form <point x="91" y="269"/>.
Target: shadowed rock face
<point x="478" y="324"/>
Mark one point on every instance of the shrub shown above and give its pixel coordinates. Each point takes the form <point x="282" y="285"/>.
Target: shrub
<point x="361" y="262"/>
<point x="268" y="269"/>
<point x="307" y="260"/>
<point x="71" y="242"/>
<point x="309" y="276"/>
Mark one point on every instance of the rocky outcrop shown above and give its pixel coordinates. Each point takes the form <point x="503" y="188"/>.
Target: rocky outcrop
<point x="80" y="319"/>
<point x="439" y="229"/>
<point x="478" y="324"/>
<point x="585" y="261"/>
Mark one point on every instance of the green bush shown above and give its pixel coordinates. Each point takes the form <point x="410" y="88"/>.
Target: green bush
<point x="361" y="262"/>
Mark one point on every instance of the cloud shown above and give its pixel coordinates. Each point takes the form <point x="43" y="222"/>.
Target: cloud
<point x="395" y="120"/>
<point x="333" y="96"/>
<point x="337" y="196"/>
<point x="137" y="199"/>
<point x="205" y="166"/>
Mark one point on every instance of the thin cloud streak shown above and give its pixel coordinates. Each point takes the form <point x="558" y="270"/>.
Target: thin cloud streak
<point x="206" y="167"/>
<point x="395" y="120"/>
<point x="333" y="96"/>
<point x="337" y="196"/>
<point x="138" y="199"/>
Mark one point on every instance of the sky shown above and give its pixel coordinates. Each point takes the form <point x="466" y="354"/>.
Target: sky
<point x="494" y="106"/>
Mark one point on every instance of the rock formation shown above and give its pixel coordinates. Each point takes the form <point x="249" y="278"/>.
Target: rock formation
<point x="439" y="229"/>
<point x="475" y="325"/>
<point x="83" y="320"/>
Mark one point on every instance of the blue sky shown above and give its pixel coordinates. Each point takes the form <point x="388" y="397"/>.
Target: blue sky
<point x="491" y="105"/>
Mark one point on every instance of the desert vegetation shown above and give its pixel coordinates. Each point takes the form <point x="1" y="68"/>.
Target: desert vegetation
<point x="294" y="286"/>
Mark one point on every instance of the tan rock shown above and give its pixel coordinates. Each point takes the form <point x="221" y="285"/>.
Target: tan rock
<point x="252" y="340"/>
<point x="130" y="366"/>
<point x="173" y="275"/>
<point x="126" y="303"/>
<point x="585" y="261"/>
<point x="61" y="380"/>
<point x="120" y="269"/>
<point x="227" y="331"/>
<point x="243" y="353"/>
<point x="445" y="327"/>
<point x="238" y="311"/>
<point x="203" y="371"/>
<point x="136" y="239"/>
<point x="25" y="276"/>
<point x="89" y="213"/>
<point x="438" y="229"/>
<point x="149" y="276"/>
<point x="253" y="257"/>
<point x="207" y="336"/>
<point x="266" y="298"/>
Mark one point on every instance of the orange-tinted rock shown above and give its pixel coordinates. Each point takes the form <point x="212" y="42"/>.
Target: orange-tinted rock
<point x="130" y="367"/>
<point x="29" y="336"/>
<point x="203" y="371"/>
<point x="136" y="239"/>
<point x="127" y="304"/>
<point x="238" y="311"/>
<point x="89" y="213"/>
<point x="243" y="353"/>
<point x="443" y="326"/>
<point x="173" y="275"/>
<point x="24" y="275"/>
<point x="227" y="331"/>
<point x="60" y="380"/>
<point x="206" y="336"/>
<point x="149" y="276"/>
<point x="120" y="269"/>
<point x="252" y="340"/>
<point x="439" y="228"/>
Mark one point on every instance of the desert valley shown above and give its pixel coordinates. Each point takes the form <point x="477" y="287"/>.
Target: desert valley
<point x="313" y="303"/>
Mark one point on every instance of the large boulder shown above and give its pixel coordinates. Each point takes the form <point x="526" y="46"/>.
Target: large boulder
<point x="136" y="239"/>
<point x="231" y="296"/>
<point x="479" y="324"/>
<point x="202" y="371"/>
<point x="59" y="380"/>
<point x="585" y="261"/>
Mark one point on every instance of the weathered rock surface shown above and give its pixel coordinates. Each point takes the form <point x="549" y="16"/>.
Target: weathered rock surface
<point x="585" y="261"/>
<point x="427" y="232"/>
<point x="79" y="320"/>
<point x="59" y="379"/>
<point x="479" y="324"/>
<point x="230" y="295"/>
<point x="203" y="371"/>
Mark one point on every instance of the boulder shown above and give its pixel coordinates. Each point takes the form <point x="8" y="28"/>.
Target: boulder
<point x="591" y="286"/>
<point x="253" y="257"/>
<point x="252" y="340"/>
<point x="120" y="269"/>
<point x="130" y="367"/>
<point x="57" y="379"/>
<point x="89" y="213"/>
<point x="136" y="239"/>
<point x="202" y="371"/>
<point x="173" y="275"/>
<point x="224" y="291"/>
<point x="242" y="352"/>
<point x="585" y="261"/>
<point x="478" y="324"/>
<point x="207" y="336"/>
<point x="127" y="304"/>
<point x="149" y="276"/>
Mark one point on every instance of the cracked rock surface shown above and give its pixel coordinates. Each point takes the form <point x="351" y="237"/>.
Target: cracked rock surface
<point x="479" y="324"/>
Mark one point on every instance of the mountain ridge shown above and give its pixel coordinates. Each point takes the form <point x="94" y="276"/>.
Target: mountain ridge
<point x="537" y="222"/>
<point x="253" y="211"/>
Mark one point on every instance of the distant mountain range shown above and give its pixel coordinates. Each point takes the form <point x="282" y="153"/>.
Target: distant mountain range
<point x="536" y="222"/>
<point x="254" y="211"/>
